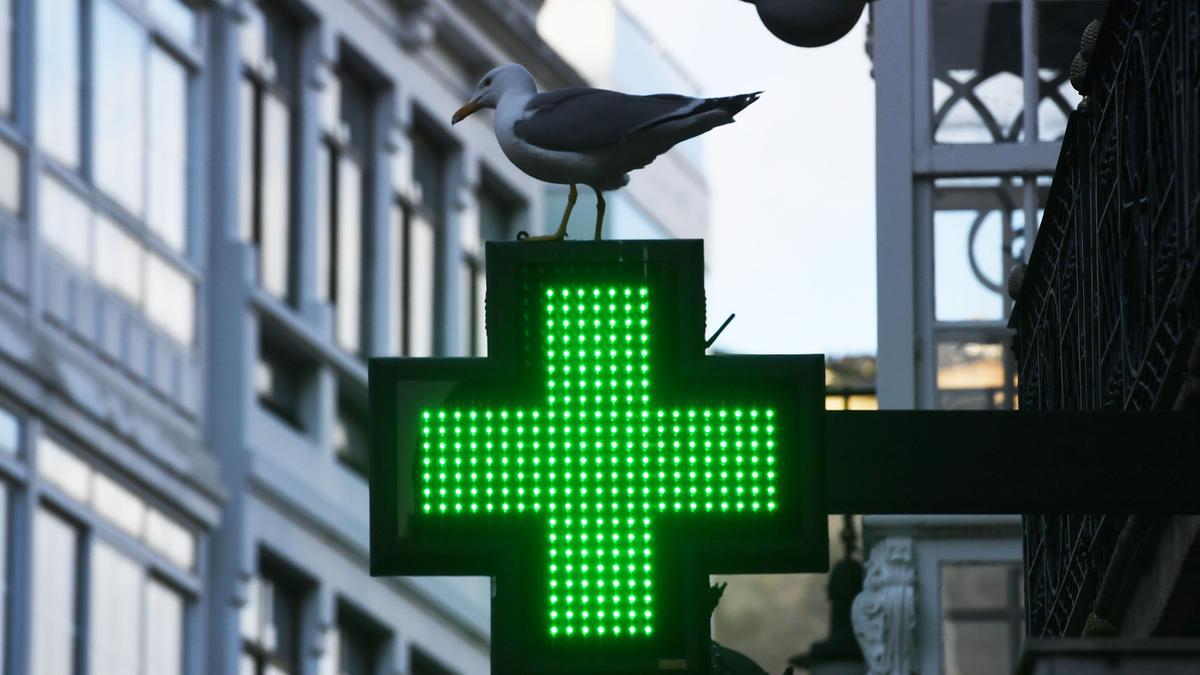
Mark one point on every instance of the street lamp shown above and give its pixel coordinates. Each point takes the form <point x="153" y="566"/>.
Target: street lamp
<point x="809" y="23"/>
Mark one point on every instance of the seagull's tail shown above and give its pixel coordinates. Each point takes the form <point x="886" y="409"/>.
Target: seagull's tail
<point x="730" y="104"/>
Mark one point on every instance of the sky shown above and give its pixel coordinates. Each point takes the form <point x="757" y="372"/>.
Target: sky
<point x="791" y="247"/>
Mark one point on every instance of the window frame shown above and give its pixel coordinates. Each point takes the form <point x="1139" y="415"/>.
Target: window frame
<point x="335" y="145"/>
<point x="37" y="164"/>
<point x="295" y="582"/>
<point x="290" y="94"/>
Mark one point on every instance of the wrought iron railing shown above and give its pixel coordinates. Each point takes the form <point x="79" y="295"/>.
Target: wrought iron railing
<point x="1111" y="298"/>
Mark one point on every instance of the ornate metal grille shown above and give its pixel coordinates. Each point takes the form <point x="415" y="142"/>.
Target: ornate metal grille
<point x="1111" y="298"/>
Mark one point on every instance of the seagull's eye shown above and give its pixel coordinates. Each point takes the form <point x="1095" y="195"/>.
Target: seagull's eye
<point x="487" y="82"/>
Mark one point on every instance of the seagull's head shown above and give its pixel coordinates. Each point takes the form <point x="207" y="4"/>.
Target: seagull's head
<point x="498" y="81"/>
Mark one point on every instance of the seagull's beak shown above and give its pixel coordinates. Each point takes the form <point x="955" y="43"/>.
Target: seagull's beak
<point x="464" y="112"/>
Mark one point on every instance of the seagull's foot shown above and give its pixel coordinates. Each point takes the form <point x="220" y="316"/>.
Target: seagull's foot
<point x="557" y="236"/>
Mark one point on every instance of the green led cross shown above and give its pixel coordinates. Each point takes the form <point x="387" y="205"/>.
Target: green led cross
<point x="597" y="461"/>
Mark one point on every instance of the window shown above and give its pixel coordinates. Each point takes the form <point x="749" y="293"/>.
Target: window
<point x="116" y="503"/>
<point x="115" y="612"/>
<point x="412" y="277"/>
<point x="281" y="380"/>
<point x="421" y="222"/>
<point x="271" y="625"/>
<point x="58" y="79"/>
<point x="343" y="175"/>
<point x="354" y="645"/>
<point x="162" y="651"/>
<point x="10" y="433"/>
<point x="7" y="47"/>
<point x="269" y="86"/>
<point x="350" y="434"/>
<point x="55" y="621"/>
<point x="10" y="179"/>
<point x="982" y="617"/>
<point x="97" y="244"/>
<point x="136" y="621"/>
<point x="139" y="125"/>
<point x="497" y="220"/>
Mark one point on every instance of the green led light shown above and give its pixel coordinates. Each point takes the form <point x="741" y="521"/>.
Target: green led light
<point x="566" y="460"/>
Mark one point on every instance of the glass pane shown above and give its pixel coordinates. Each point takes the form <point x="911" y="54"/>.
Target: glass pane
<point x="355" y="113"/>
<point x="396" y="280"/>
<point x="978" y="586"/>
<point x="978" y="95"/>
<point x="279" y="380"/>
<point x="64" y="222"/>
<point x="6" y="58"/>
<point x="119" y="126"/>
<point x="276" y="213"/>
<point x="118" y="505"/>
<point x="496" y="216"/>
<point x="62" y="468"/>
<point x="324" y="222"/>
<point x="977" y="648"/>
<point x="247" y="141"/>
<point x="428" y="173"/>
<point x="356" y="655"/>
<point x="168" y="149"/>
<point x="973" y="376"/>
<point x="174" y="541"/>
<point x="10" y="433"/>
<point x="176" y="16"/>
<point x="54" y="554"/>
<point x="10" y="179"/>
<point x="284" y="627"/>
<point x="248" y="618"/>
<point x="163" y="651"/>
<point x="422" y="266"/>
<point x="58" y="81"/>
<point x="118" y="260"/>
<point x="1060" y="25"/>
<point x="170" y="299"/>
<point x="350" y="436"/>
<point x="976" y="223"/>
<point x="116" y="609"/>
<point x="349" y="264"/>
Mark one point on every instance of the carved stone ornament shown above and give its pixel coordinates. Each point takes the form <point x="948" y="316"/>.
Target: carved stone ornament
<point x="884" y="614"/>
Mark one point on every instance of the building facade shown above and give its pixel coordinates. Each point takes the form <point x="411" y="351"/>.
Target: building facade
<point x="972" y="103"/>
<point x="211" y="214"/>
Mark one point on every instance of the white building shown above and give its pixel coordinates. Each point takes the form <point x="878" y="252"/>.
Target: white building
<point x="211" y="213"/>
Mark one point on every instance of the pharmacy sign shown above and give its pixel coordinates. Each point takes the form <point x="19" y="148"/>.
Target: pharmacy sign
<point x="597" y="464"/>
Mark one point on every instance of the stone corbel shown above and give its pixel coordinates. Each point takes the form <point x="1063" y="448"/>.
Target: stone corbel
<point x="884" y="613"/>
<point x="419" y="23"/>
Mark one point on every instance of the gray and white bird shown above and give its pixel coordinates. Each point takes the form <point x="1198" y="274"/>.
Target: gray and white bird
<point x="594" y="137"/>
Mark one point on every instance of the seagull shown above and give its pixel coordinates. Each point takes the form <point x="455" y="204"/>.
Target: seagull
<point x="593" y="137"/>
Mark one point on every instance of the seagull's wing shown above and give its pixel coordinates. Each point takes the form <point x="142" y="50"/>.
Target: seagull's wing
<point x="582" y="118"/>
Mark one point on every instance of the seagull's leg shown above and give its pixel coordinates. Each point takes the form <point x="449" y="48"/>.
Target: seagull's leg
<point x="562" y="227"/>
<point x="599" y="211"/>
